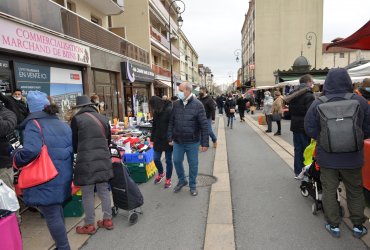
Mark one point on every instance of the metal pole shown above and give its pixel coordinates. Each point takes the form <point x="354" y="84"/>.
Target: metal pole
<point x="309" y="38"/>
<point x="169" y="27"/>
<point x="315" y="48"/>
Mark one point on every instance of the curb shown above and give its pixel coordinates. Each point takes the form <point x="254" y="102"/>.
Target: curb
<point x="220" y="227"/>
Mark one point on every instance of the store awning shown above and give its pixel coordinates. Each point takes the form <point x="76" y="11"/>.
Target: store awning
<point x="162" y="84"/>
<point x="358" y="40"/>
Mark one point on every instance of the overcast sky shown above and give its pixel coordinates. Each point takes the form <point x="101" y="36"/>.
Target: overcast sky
<point x="214" y="29"/>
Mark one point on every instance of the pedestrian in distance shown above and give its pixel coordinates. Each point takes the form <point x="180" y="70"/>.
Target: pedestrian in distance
<point x="188" y="129"/>
<point x="210" y="108"/>
<point x="339" y="149"/>
<point x="277" y="110"/>
<point x="242" y="106"/>
<point x="299" y="101"/>
<point x="161" y="117"/>
<point x="267" y="107"/>
<point x="230" y="106"/>
<point x="43" y="126"/>
<point x="220" y="100"/>
<point x="91" y="136"/>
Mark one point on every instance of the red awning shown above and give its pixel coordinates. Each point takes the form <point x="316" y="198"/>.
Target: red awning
<point x="358" y="40"/>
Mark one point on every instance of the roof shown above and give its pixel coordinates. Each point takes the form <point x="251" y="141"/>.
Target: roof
<point x="325" y="49"/>
<point x="358" y="40"/>
<point x="301" y="61"/>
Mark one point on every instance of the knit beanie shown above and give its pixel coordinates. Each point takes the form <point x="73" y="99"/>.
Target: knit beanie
<point x="37" y="101"/>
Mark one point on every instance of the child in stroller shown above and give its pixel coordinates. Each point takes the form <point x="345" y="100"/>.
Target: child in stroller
<point x="311" y="184"/>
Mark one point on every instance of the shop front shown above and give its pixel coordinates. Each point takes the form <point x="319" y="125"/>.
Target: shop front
<point x="137" y="81"/>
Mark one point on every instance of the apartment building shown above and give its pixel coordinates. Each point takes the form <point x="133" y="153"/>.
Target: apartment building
<point x="275" y="32"/>
<point x="205" y="77"/>
<point x="65" y="48"/>
<point x="146" y="23"/>
<point x="336" y="57"/>
<point x="188" y="61"/>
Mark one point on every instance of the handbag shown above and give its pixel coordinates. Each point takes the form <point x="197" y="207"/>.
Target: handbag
<point x="276" y="117"/>
<point x="40" y="170"/>
<point x="232" y="111"/>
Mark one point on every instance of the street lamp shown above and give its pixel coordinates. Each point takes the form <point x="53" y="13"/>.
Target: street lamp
<point x="237" y="54"/>
<point x="309" y="38"/>
<point x="179" y="11"/>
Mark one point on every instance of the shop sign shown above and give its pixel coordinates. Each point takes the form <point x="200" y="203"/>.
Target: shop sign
<point x="4" y="65"/>
<point x="30" y="77"/>
<point x="134" y="72"/>
<point x="21" y="38"/>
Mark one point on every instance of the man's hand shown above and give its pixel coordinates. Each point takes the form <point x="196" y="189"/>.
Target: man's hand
<point x="170" y="143"/>
<point x="203" y="149"/>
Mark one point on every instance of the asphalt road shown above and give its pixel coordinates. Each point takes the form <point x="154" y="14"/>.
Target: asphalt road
<point x="170" y="221"/>
<point x="268" y="208"/>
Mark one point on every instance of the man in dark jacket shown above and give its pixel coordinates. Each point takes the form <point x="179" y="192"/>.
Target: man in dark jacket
<point x="220" y="104"/>
<point x="242" y="105"/>
<point x="16" y="104"/>
<point x="347" y="165"/>
<point x="91" y="136"/>
<point x="299" y="101"/>
<point x="210" y="108"/>
<point x="187" y="130"/>
<point x="8" y="121"/>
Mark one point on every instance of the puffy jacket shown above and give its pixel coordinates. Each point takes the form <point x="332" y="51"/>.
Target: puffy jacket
<point x="8" y="121"/>
<point x="188" y="124"/>
<point x="209" y="106"/>
<point x="242" y="103"/>
<point x="336" y="85"/>
<point x="298" y="107"/>
<point x="267" y="104"/>
<point x="160" y="128"/>
<point x="58" y="139"/>
<point x="93" y="163"/>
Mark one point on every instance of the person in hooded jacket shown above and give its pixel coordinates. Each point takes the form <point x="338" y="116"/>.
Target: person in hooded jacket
<point x="57" y="136"/>
<point x="161" y="117"/>
<point x="267" y="107"/>
<point x="91" y="136"/>
<point x="348" y="166"/>
<point x="230" y="106"/>
<point x="210" y="108"/>
<point x="242" y="106"/>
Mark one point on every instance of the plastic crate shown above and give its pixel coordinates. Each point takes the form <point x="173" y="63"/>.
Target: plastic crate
<point x="73" y="208"/>
<point x="141" y="172"/>
<point x="145" y="157"/>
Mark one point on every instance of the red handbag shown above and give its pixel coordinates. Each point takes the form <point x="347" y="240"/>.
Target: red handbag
<point x="40" y="170"/>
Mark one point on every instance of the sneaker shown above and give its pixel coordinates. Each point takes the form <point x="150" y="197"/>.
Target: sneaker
<point x="87" y="229"/>
<point x="334" y="231"/>
<point x="106" y="223"/>
<point x="268" y="131"/>
<point x="159" y="178"/>
<point x="215" y="144"/>
<point x="179" y="186"/>
<point x="167" y="184"/>
<point x="193" y="191"/>
<point x="277" y="133"/>
<point x="359" y="231"/>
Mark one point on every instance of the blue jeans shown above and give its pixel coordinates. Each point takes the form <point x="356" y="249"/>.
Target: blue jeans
<point x="55" y="221"/>
<point x="211" y="134"/>
<point x="192" y="152"/>
<point x="300" y="141"/>
<point x="158" y="163"/>
<point x="230" y="121"/>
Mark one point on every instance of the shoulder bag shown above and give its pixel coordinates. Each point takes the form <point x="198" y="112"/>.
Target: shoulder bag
<point x="40" y="170"/>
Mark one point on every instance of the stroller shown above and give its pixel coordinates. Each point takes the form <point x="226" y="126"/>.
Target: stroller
<point x="311" y="186"/>
<point x="125" y="192"/>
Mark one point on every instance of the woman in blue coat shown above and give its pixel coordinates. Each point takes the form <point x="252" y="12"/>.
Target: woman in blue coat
<point x="57" y="135"/>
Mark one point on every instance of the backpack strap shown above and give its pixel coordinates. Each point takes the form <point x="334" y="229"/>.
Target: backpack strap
<point x="98" y="122"/>
<point x="348" y="96"/>
<point x="323" y="99"/>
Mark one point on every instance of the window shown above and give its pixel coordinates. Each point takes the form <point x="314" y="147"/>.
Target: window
<point x="341" y="55"/>
<point x="96" y="20"/>
<point x="71" y="6"/>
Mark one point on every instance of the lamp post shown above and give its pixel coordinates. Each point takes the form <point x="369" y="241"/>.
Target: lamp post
<point x="179" y="11"/>
<point x="309" y="38"/>
<point x="237" y="54"/>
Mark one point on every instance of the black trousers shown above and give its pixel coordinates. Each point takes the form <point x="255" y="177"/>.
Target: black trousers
<point x="241" y="113"/>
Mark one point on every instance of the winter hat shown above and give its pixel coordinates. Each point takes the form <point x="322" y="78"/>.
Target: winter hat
<point x="267" y="93"/>
<point x="37" y="101"/>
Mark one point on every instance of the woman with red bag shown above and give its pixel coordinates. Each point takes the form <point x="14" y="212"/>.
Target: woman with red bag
<point x="41" y="127"/>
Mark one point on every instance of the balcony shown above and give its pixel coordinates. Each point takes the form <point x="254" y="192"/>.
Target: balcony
<point x="159" y="37"/>
<point x="159" y="6"/>
<point x="107" y="7"/>
<point x="161" y="71"/>
<point x="66" y="22"/>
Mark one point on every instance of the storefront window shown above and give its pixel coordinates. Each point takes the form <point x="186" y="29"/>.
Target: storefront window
<point x="136" y="99"/>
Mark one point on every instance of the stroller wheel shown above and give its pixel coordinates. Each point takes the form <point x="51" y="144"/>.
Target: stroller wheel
<point x="133" y="218"/>
<point x="114" y="211"/>
<point x="304" y="192"/>
<point x="314" y="209"/>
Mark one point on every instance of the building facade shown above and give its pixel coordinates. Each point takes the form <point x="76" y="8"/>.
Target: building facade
<point x="275" y="32"/>
<point x="188" y="61"/>
<point x="66" y="51"/>
<point x="205" y="77"/>
<point x="336" y="57"/>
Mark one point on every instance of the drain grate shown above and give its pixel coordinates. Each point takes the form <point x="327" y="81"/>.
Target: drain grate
<point x="205" y="180"/>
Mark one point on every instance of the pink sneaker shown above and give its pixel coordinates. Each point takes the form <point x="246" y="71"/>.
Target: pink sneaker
<point x="167" y="184"/>
<point x="159" y="178"/>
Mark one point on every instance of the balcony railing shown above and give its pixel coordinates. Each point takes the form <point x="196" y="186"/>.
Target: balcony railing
<point x="161" y="71"/>
<point x="159" y="37"/>
<point x="53" y="17"/>
<point x="108" y="7"/>
<point x="165" y="13"/>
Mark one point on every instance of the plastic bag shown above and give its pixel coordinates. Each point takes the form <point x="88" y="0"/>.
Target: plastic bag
<point x="308" y="153"/>
<point x="8" y="198"/>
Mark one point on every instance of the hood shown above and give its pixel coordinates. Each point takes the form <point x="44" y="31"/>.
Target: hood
<point x="337" y="81"/>
<point x="87" y="109"/>
<point x="36" y="115"/>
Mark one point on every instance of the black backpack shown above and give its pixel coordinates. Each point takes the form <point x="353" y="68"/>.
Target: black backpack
<point x="341" y="127"/>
